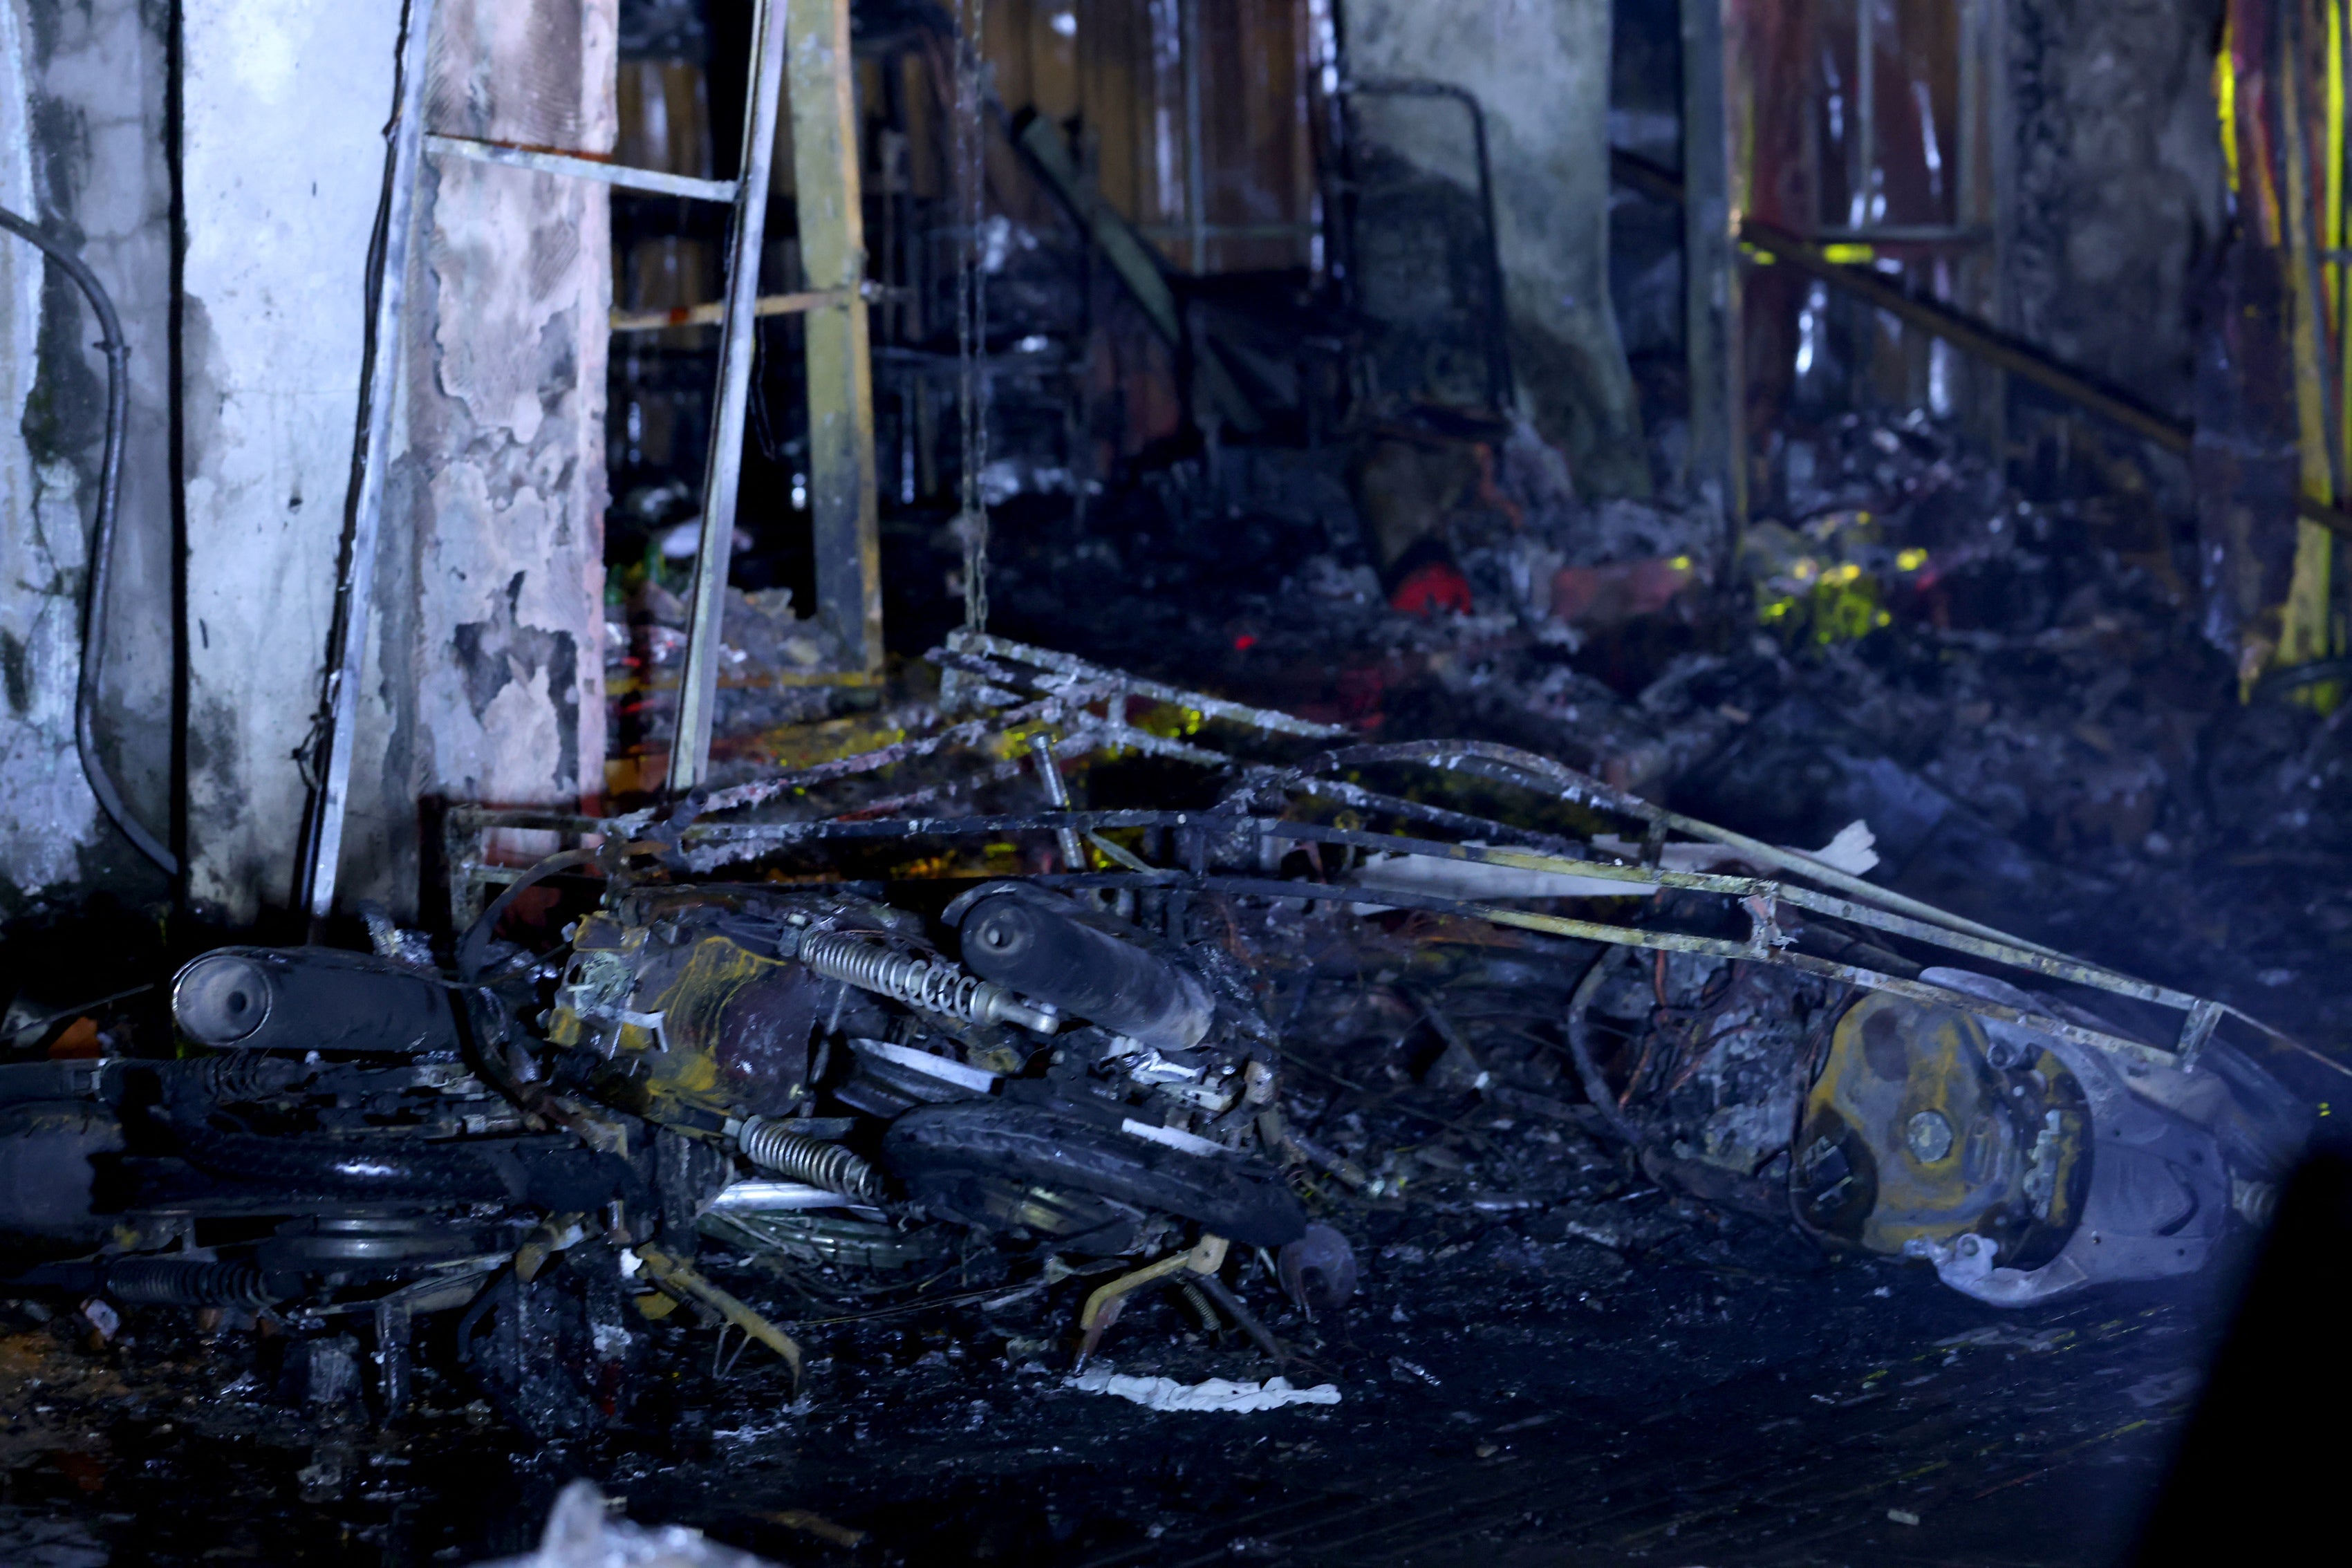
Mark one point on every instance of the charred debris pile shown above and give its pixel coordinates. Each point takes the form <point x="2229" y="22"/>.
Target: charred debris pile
<point x="1090" y="996"/>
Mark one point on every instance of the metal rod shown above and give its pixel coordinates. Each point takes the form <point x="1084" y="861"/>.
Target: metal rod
<point x="1643" y="877"/>
<point x="843" y="501"/>
<point x="1075" y="670"/>
<point x="712" y="314"/>
<point x="1196" y="174"/>
<point x="573" y="166"/>
<point x="109" y="490"/>
<point x="689" y="753"/>
<point x="370" y="458"/>
<point x="1057" y="795"/>
<point x="1866" y="113"/>
<point x="1718" y="441"/>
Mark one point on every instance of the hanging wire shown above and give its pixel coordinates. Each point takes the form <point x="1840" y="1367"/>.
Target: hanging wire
<point x="971" y="311"/>
<point x="763" y="431"/>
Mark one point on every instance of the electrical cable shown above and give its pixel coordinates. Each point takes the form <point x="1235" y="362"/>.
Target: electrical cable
<point x="109" y="485"/>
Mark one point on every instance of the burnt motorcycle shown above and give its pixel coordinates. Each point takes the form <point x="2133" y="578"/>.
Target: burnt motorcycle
<point x="534" y="1148"/>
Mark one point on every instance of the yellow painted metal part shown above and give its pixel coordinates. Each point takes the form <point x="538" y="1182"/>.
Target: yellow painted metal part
<point x="1206" y="1257"/>
<point x="684" y="1064"/>
<point x="675" y="1279"/>
<point x="1910" y="1133"/>
<point x="691" y="1012"/>
<point x="2225" y="97"/>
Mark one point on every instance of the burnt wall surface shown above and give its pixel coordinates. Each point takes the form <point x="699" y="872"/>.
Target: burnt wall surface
<point x="82" y="93"/>
<point x="2119" y="191"/>
<point x="489" y="662"/>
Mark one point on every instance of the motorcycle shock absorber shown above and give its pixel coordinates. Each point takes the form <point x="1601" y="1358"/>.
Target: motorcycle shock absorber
<point x="774" y="1147"/>
<point x="933" y="985"/>
<point x="187" y="1282"/>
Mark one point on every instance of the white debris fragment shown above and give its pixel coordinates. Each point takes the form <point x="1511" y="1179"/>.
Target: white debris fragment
<point x="102" y="1317"/>
<point x="1855" y="851"/>
<point x="1216" y="1393"/>
<point x="581" y="1534"/>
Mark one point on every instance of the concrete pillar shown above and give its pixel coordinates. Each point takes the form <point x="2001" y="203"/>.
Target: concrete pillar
<point x="283" y="104"/>
<point x="494" y="686"/>
<point x="1540" y="68"/>
<point x="484" y="675"/>
<point x="82" y="94"/>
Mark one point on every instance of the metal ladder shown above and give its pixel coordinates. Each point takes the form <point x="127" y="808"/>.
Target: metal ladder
<point x="814" y="36"/>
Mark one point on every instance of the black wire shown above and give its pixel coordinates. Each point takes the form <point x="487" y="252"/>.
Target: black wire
<point x="763" y="432"/>
<point x="109" y="485"/>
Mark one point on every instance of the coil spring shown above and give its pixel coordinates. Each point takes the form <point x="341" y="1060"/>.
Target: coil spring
<point x="187" y="1282"/>
<point x="937" y="987"/>
<point x="934" y="986"/>
<point x="246" y="1076"/>
<point x="771" y="1146"/>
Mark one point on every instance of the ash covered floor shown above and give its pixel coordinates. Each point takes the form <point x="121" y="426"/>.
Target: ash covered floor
<point x="1616" y="1375"/>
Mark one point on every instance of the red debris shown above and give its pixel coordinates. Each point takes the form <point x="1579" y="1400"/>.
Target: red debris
<point x="1439" y="585"/>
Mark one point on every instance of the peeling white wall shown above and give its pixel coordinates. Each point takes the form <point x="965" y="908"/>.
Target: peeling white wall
<point x="1540" y="71"/>
<point x="489" y="660"/>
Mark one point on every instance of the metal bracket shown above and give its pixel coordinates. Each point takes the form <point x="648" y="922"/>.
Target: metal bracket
<point x="2195" y="1030"/>
<point x="573" y="166"/>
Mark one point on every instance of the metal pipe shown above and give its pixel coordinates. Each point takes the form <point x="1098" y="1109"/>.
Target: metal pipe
<point x="710" y="315"/>
<point x="1862" y="211"/>
<point x="1196" y="174"/>
<point x="109" y="489"/>
<point x="1057" y="795"/>
<point x="322" y="844"/>
<point x="573" y="166"/>
<point x="722" y="471"/>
